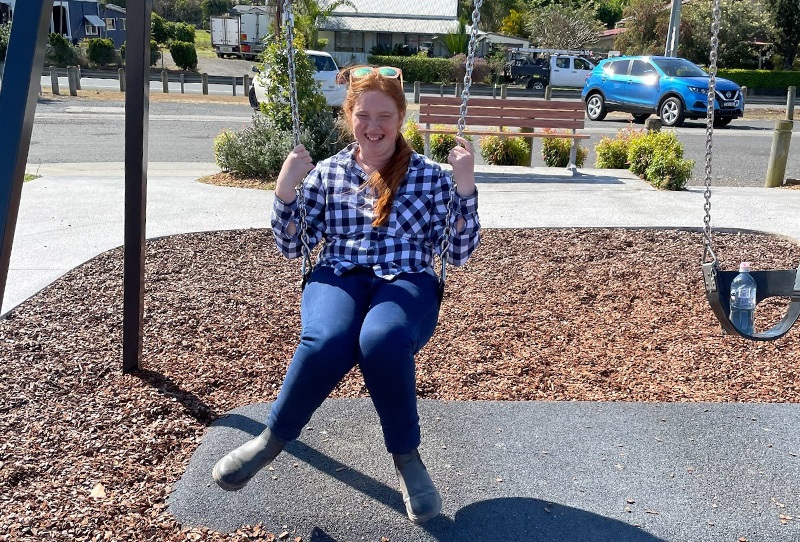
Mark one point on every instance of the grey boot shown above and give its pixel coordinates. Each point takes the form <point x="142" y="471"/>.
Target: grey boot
<point x="234" y="470"/>
<point x="419" y="494"/>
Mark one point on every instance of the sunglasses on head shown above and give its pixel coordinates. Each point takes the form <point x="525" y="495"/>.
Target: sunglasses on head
<point x="383" y="71"/>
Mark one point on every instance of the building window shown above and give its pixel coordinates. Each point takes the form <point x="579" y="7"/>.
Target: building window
<point x="349" y="41"/>
<point x="92" y="30"/>
<point x="415" y="41"/>
<point x="111" y="24"/>
<point x="385" y="40"/>
<point x="123" y="24"/>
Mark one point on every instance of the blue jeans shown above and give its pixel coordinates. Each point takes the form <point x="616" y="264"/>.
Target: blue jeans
<point x="360" y="319"/>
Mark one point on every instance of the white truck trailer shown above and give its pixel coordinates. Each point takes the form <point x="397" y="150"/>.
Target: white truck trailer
<point x="241" y="32"/>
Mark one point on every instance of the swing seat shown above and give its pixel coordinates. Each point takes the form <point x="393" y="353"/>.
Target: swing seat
<point x="774" y="283"/>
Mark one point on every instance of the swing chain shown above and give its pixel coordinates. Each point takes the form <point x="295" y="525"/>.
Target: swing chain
<point x="708" y="251"/>
<point x="462" y="123"/>
<point x="288" y="22"/>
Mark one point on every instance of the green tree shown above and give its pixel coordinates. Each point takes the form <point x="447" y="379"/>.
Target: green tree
<point x="275" y="76"/>
<point x="212" y="8"/>
<point x="646" y="29"/>
<point x="308" y="15"/>
<point x="741" y="23"/>
<point x="562" y="27"/>
<point x="5" y="34"/>
<point x="493" y="12"/>
<point x="610" y="11"/>
<point x="785" y="16"/>
<point x="514" y="24"/>
<point x="159" y="30"/>
<point x="457" y="42"/>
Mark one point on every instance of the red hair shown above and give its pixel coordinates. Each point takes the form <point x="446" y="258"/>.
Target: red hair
<point x="386" y="181"/>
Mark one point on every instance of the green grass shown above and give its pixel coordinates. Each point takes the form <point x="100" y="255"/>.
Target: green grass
<point x="202" y="43"/>
<point x="29" y="177"/>
<point x="202" y="40"/>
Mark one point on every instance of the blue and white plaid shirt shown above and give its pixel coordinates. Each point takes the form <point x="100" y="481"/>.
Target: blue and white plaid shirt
<point x="339" y="211"/>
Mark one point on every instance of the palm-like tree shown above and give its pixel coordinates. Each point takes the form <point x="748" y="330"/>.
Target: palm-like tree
<point x="309" y="13"/>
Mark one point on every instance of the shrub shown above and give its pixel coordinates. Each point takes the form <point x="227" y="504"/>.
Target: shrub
<point x="668" y="171"/>
<point x="417" y="68"/>
<point x="643" y="147"/>
<point x="555" y="151"/>
<point x="5" y="34"/>
<point x="183" y="32"/>
<point x="155" y="55"/>
<point x="613" y="153"/>
<point x="159" y="29"/>
<point x="61" y="52"/>
<point x="481" y="70"/>
<point x="101" y="51"/>
<point x="184" y="55"/>
<point x="505" y="151"/>
<point x="441" y="145"/>
<point x="412" y="135"/>
<point x="258" y="150"/>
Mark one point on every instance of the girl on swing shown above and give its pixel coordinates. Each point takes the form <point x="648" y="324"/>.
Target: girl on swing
<point x="372" y="299"/>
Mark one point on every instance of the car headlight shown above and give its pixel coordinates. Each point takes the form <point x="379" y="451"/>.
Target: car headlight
<point x="699" y="90"/>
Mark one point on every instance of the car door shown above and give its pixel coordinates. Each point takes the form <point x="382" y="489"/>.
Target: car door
<point x="641" y="85"/>
<point x="614" y="79"/>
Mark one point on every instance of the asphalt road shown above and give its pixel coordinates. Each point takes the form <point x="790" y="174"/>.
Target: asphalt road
<point x="70" y="130"/>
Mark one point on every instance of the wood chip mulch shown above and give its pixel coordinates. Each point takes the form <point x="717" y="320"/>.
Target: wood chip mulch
<point x="556" y="315"/>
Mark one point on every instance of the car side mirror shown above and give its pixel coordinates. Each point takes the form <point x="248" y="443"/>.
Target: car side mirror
<point x="254" y="69"/>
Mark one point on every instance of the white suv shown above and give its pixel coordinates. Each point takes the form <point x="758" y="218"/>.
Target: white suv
<point x="325" y="74"/>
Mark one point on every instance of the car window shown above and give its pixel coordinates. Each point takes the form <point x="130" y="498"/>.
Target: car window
<point x="641" y="68"/>
<point x="617" y="67"/>
<point x="679" y="67"/>
<point x="324" y="63"/>
<point x="582" y="64"/>
<point x="562" y="62"/>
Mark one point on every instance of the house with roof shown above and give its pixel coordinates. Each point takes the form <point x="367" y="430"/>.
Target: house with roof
<point x="115" y="18"/>
<point x="385" y="25"/>
<point x="6" y="11"/>
<point x="80" y="19"/>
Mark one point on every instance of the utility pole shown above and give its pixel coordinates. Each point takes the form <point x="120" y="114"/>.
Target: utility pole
<point x="278" y="17"/>
<point x="671" y="48"/>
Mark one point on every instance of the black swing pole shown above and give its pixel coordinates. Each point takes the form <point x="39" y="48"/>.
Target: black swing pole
<point x="21" y="76"/>
<point x="137" y="105"/>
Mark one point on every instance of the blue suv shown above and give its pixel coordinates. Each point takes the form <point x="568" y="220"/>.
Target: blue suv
<point x="673" y="88"/>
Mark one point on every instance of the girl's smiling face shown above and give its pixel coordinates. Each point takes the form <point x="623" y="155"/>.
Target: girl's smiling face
<point x="376" y="123"/>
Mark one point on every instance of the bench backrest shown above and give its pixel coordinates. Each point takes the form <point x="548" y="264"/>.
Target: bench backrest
<point x="518" y="113"/>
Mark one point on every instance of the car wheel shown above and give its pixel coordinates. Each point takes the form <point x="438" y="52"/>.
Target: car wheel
<point x="671" y="112"/>
<point x="639" y="119"/>
<point x="253" y="100"/>
<point x="596" y="107"/>
<point x="535" y="85"/>
<point x="719" y="123"/>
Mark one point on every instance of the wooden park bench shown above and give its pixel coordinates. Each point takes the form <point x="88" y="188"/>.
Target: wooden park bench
<point x="526" y="116"/>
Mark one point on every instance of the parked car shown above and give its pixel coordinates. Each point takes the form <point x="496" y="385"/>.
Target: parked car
<point x="325" y="74"/>
<point x="673" y="88"/>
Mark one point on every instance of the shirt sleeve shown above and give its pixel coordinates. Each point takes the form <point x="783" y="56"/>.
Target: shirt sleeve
<point x="464" y="242"/>
<point x="284" y="214"/>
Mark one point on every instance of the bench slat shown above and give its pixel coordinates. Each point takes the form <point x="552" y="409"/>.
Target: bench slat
<point x="504" y="121"/>
<point x="504" y="134"/>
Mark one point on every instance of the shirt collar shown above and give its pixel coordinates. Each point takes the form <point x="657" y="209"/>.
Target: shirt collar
<point x="347" y="158"/>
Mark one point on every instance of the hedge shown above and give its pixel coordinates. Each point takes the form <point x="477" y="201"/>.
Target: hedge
<point x="779" y="80"/>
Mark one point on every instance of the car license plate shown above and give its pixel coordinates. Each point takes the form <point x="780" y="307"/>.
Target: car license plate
<point x="730" y="104"/>
<point x="227" y="49"/>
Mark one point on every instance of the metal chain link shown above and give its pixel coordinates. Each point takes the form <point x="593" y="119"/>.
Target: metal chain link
<point x="708" y="251"/>
<point x="305" y="241"/>
<point x="462" y="123"/>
